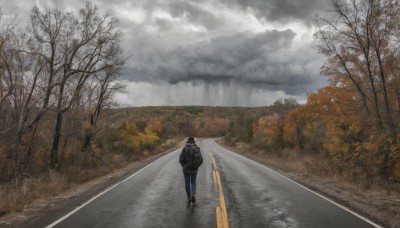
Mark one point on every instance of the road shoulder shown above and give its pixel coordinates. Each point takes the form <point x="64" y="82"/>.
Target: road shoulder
<point x="46" y="210"/>
<point x="379" y="206"/>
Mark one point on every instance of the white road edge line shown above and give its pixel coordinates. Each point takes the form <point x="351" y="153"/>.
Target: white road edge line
<point x="316" y="193"/>
<point x="329" y="200"/>
<point x="102" y="193"/>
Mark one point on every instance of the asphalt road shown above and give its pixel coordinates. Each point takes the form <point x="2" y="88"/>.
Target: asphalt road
<point x="255" y="196"/>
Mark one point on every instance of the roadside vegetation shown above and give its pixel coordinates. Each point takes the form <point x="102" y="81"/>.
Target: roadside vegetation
<point x="346" y="133"/>
<point x="57" y="75"/>
<point x="350" y="128"/>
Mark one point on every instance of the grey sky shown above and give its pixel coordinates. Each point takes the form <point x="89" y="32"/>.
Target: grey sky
<point x="211" y="52"/>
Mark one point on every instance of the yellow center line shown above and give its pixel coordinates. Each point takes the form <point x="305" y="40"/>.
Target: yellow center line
<point x="215" y="181"/>
<point x="215" y="166"/>
<point x="221" y="215"/>
<point x="222" y="203"/>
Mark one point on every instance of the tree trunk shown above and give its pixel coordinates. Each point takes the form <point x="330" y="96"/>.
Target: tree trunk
<point x="350" y="75"/>
<point x="21" y="124"/>
<point x="29" y="152"/>
<point x="396" y="90"/>
<point x="374" y="93"/>
<point x="93" y="121"/>
<point x="89" y="133"/>
<point x="56" y="141"/>
<point x="385" y="93"/>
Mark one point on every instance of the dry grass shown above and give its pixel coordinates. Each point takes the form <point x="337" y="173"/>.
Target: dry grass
<point x="23" y="191"/>
<point x="353" y="188"/>
<point x="291" y="161"/>
<point x="16" y="195"/>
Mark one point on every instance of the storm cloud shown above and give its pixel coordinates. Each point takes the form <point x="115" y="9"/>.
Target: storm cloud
<point x="266" y="59"/>
<point x="283" y="11"/>
<point x="232" y="52"/>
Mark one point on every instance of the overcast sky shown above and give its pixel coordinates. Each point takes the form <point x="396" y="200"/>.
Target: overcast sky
<point x="211" y="52"/>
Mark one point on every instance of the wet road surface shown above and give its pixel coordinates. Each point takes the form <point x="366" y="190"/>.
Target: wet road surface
<point x="255" y="196"/>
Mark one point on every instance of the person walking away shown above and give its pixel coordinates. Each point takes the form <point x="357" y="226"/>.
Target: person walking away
<point x="190" y="159"/>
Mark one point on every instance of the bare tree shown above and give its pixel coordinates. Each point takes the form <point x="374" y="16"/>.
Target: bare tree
<point x="359" y="41"/>
<point x="19" y="79"/>
<point x="106" y="85"/>
<point x="7" y="83"/>
<point x="26" y="73"/>
<point x="75" y="49"/>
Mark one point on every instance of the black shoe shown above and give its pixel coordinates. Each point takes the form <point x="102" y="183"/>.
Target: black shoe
<point x="193" y="199"/>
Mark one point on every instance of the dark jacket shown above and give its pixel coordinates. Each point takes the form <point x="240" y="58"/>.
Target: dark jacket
<point x="182" y="159"/>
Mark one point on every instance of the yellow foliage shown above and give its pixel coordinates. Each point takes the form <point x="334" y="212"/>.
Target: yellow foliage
<point x="136" y="140"/>
<point x="154" y="127"/>
<point x="129" y="135"/>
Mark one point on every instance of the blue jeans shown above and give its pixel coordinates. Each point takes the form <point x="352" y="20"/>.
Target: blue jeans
<point x="190" y="183"/>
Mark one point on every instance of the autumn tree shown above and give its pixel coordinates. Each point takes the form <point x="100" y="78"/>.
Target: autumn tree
<point x="268" y="133"/>
<point x="361" y="42"/>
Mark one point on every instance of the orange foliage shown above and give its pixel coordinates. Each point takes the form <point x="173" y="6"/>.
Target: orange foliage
<point x="267" y="132"/>
<point x="211" y="127"/>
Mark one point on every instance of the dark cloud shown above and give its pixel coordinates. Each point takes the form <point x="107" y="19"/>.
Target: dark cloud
<point x="261" y="60"/>
<point x="212" y="44"/>
<point x="195" y="14"/>
<point x="283" y="10"/>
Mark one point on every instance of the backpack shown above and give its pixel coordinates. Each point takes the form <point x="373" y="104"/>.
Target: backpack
<point x="194" y="158"/>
